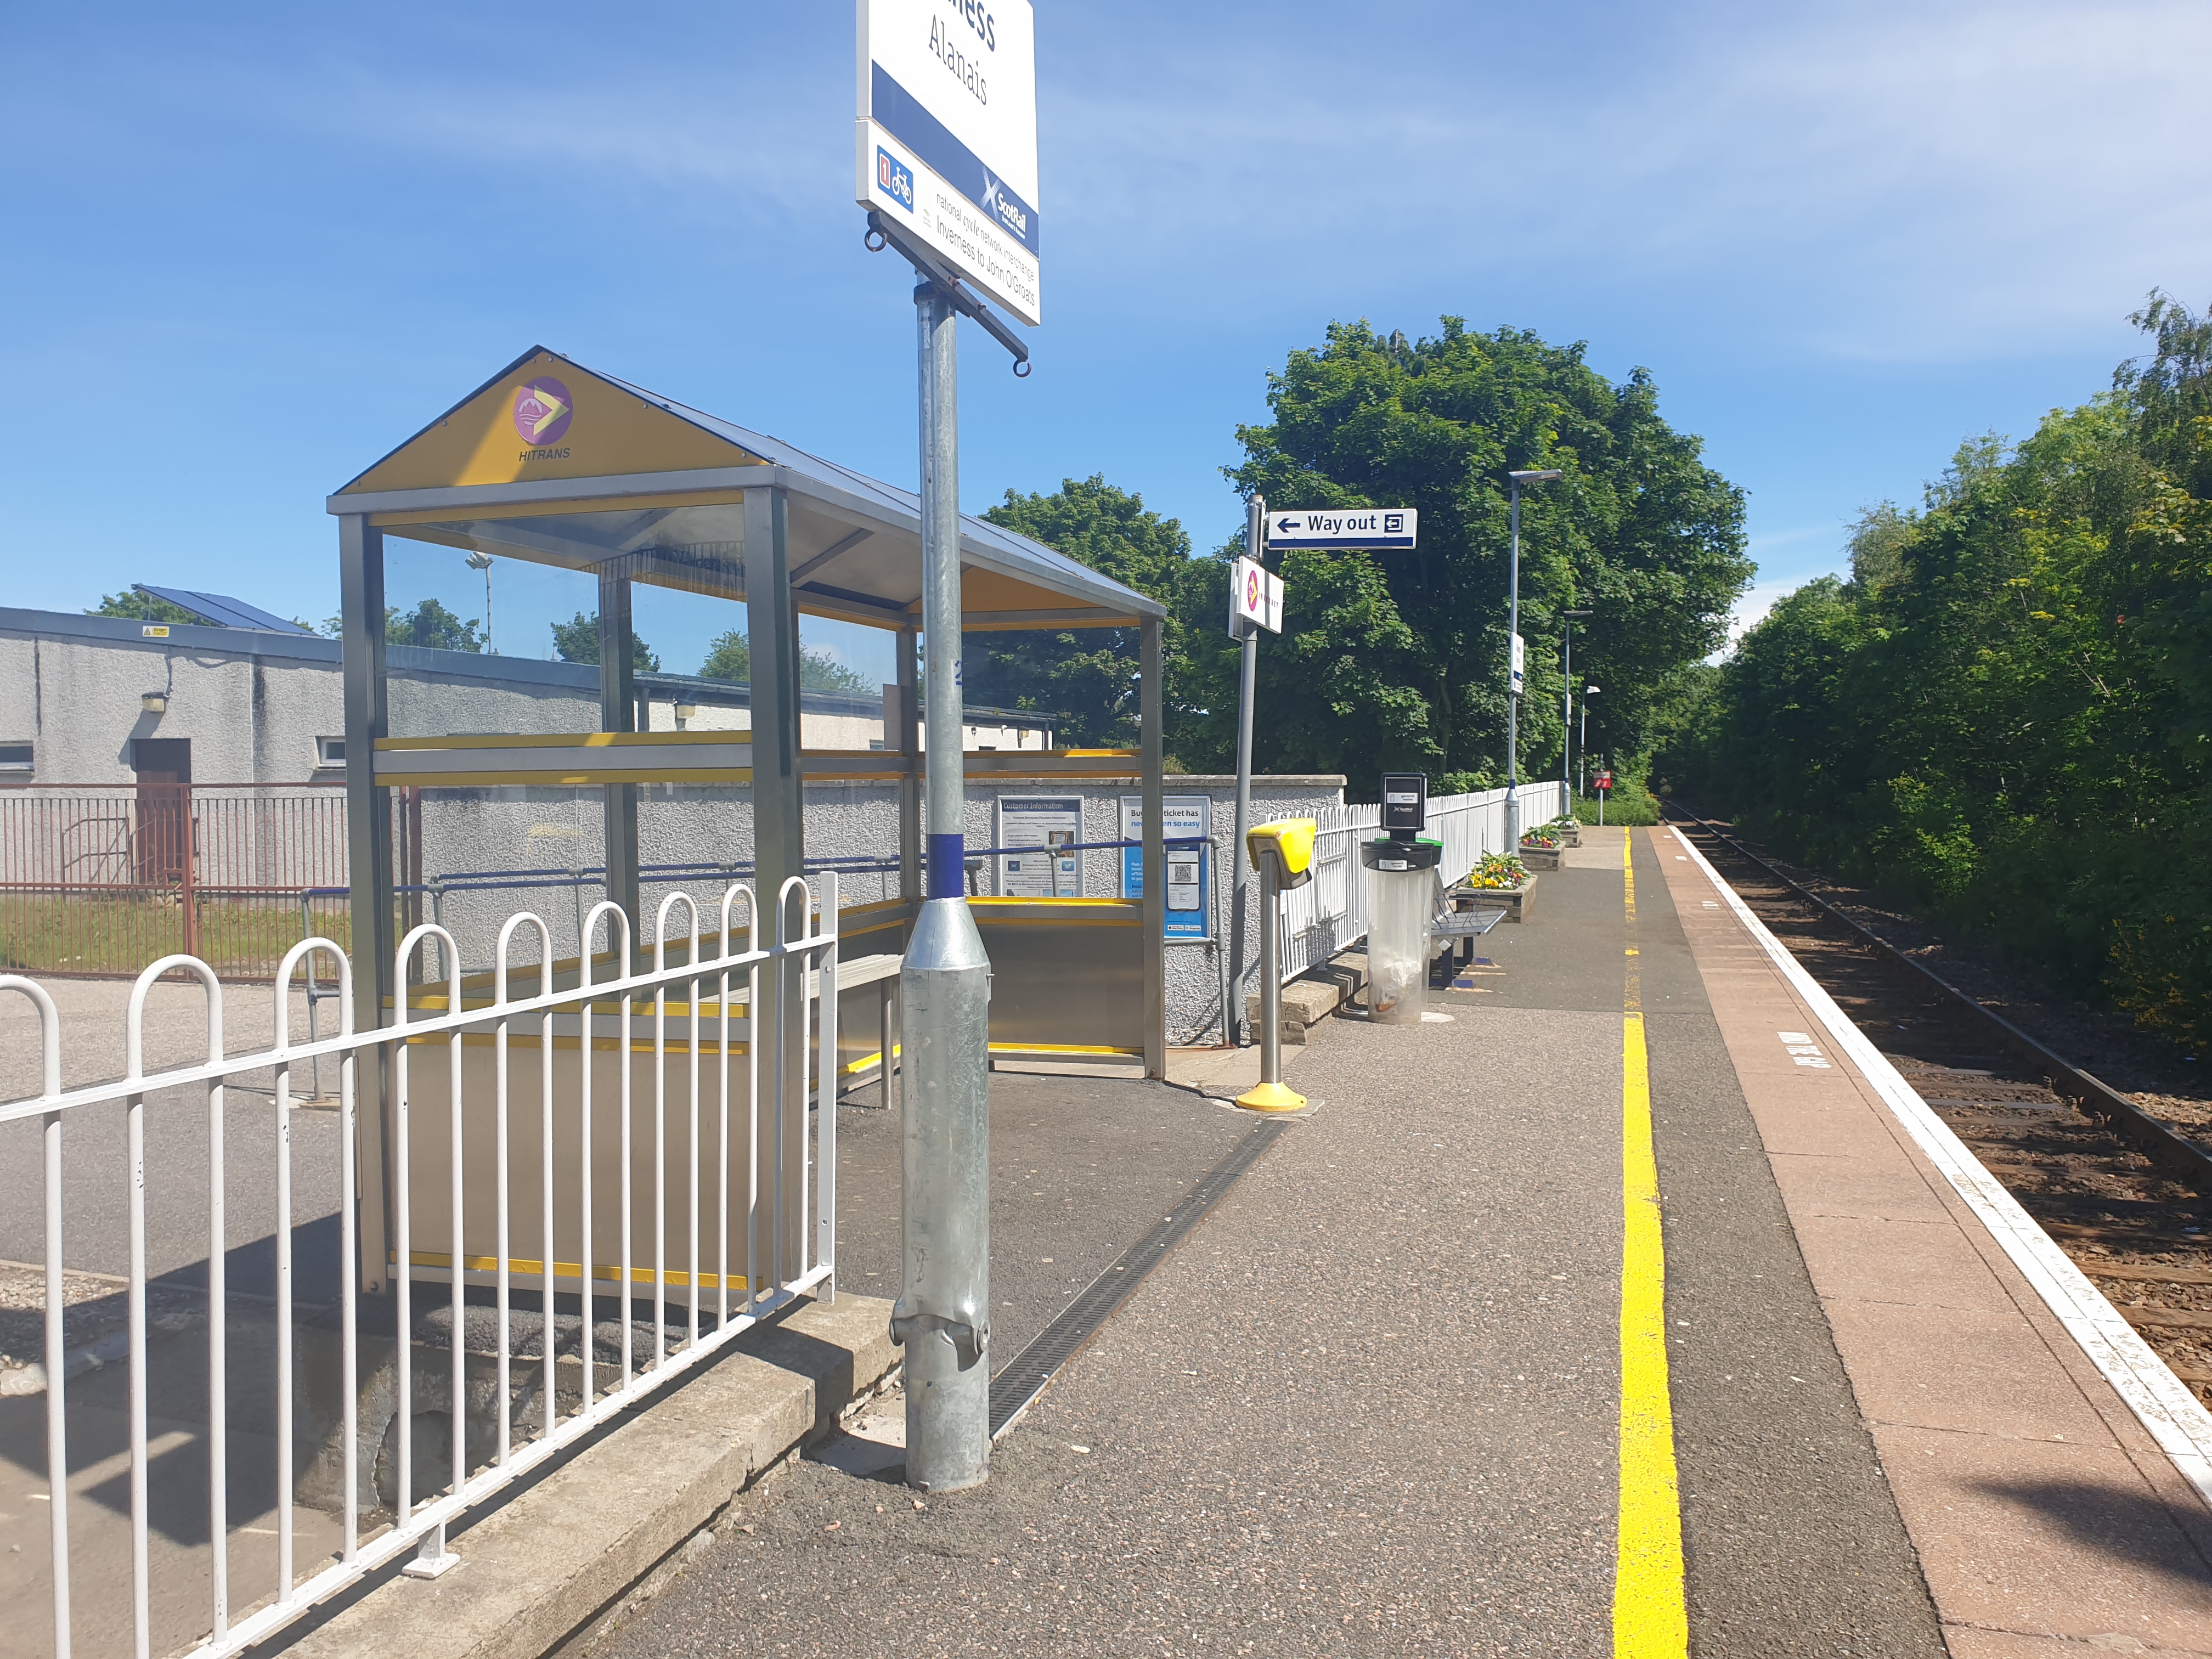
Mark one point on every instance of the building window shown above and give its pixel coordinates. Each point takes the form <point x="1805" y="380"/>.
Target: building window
<point x="14" y="756"/>
<point x="329" y="751"/>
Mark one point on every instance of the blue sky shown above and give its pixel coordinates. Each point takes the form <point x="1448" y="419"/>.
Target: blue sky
<point x="247" y="249"/>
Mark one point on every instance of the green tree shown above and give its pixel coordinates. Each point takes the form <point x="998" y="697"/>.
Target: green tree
<point x="428" y="625"/>
<point x="578" y="641"/>
<point x="1408" y="649"/>
<point x="134" y="606"/>
<point x="729" y="658"/>
<point x="2005" y="719"/>
<point x="1087" y="677"/>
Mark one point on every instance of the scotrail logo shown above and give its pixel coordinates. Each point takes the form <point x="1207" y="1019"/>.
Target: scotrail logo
<point x="895" y="179"/>
<point x="995" y="199"/>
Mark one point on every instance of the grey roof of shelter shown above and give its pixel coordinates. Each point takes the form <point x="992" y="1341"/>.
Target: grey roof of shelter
<point x="806" y="463"/>
<point x="855" y="540"/>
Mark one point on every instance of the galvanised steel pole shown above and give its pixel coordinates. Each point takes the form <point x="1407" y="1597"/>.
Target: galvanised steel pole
<point x="944" y="993"/>
<point x="1255" y="518"/>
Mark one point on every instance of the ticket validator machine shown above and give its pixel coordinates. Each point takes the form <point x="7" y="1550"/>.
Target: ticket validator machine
<point x="1283" y="854"/>
<point x="1402" y="897"/>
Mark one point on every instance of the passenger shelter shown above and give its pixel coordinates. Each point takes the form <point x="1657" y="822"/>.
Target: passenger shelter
<point x="555" y="464"/>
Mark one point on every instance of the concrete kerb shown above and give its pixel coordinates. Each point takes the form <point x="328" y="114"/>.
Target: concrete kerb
<point x="607" y="1527"/>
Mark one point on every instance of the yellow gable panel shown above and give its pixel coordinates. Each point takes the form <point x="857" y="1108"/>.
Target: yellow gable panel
<point x="547" y="417"/>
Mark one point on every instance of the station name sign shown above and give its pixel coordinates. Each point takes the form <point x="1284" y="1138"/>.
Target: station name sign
<point x="945" y="140"/>
<point x="1379" y="528"/>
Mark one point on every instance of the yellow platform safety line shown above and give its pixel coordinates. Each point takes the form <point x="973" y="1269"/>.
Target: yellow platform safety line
<point x="1651" y="1618"/>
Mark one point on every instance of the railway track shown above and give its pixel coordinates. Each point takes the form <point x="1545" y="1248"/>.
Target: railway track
<point x="2127" y="1198"/>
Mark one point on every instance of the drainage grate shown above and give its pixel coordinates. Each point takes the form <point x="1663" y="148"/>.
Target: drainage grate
<point x="1027" y="1373"/>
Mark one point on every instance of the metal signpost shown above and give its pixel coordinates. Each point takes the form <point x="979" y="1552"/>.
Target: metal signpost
<point x="1256" y="602"/>
<point x="1513" y="627"/>
<point x="1567" y="705"/>
<point x="945" y="142"/>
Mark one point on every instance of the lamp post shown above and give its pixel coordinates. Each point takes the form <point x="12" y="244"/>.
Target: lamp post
<point x="1512" y="645"/>
<point x="1567" y="696"/>
<point x="481" y="560"/>
<point x="1583" y="742"/>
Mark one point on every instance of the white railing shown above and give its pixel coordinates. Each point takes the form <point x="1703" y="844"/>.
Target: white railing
<point x="624" y="1072"/>
<point x="1329" y="913"/>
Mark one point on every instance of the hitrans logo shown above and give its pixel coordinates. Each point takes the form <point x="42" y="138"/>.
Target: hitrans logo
<point x="543" y="409"/>
<point x="994" y="200"/>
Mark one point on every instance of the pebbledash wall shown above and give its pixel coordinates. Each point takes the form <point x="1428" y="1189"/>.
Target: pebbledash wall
<point x="691" y="824"/>
<point x="254" y="705"/>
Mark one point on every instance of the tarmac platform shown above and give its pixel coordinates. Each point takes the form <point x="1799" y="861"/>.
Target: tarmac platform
<point x="1406" y="1388"/>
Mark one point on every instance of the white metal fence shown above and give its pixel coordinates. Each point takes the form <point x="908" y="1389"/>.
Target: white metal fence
<point x="558" y="1304"/>
<point x="1329" y="913"/>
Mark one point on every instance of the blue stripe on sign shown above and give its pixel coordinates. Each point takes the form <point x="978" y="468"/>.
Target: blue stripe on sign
<point x="900" y="113"/>
<point x="1373" y="544"/>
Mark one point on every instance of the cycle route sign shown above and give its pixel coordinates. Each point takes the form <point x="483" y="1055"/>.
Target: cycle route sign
<point x="945" y="140"/>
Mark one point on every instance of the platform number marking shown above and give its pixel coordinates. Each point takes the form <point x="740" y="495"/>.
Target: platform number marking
<point x="1803" y="1049"/>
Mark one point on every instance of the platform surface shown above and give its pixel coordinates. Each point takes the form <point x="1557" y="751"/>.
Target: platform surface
<point x="1370" y="1405"/>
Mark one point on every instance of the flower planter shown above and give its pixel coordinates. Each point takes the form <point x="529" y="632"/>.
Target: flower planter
<point x="1514" y="900"/>
<point x="1541" y="858"/>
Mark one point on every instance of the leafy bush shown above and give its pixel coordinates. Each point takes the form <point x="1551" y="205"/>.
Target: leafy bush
<point x="2003" y="718"/>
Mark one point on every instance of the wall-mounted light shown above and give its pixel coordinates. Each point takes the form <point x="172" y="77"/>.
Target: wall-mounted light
<point x="685" y="712"/>
<point x="155" y="703"/>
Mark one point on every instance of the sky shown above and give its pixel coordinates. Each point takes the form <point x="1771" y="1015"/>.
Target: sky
<point x="249" y="249"/>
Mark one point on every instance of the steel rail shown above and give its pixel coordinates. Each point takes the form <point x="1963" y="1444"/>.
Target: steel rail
<point x="2173" y="1153"/>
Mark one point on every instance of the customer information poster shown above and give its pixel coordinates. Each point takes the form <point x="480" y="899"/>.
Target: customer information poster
<point x="1042" y="823"/>
<point x="1189" y="875"/>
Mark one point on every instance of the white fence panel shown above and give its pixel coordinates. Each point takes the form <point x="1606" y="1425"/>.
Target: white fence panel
<point x="528" y="1302"/>
<point x="1329" y="913"/>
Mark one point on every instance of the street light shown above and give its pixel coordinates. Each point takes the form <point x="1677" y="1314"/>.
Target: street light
<point x="1583" y="743"/>
<point x="481" y="560"/>
<point x="1567" y="692"/>
<point x="1534" y="475"/>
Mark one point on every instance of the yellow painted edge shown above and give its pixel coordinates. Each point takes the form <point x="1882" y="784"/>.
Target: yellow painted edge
<point x="567" y="740"/>
<point x="520" y="1265"/>
<point x="520" y="779"/>
<point x="1059" y="1049"/>
<point x="1650" y="1619"/>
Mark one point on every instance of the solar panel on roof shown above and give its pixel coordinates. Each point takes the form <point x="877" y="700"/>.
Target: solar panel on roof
<point x="221" y="610"/>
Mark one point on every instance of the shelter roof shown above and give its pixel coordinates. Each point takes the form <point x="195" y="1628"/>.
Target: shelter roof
<point x="554" y="463"/>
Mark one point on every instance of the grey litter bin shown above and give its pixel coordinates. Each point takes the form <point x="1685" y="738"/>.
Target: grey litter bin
<point x="1402" y="897"/>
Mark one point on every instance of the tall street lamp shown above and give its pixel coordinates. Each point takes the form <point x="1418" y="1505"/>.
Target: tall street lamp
<point x="1513" y="649"/>
<point x="1583" y="743"/>
<point x="1567" y="696"/>
<point x="481" y="560"/>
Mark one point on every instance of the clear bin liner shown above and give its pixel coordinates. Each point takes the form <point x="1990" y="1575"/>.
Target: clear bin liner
<point x="1399" y="904"/>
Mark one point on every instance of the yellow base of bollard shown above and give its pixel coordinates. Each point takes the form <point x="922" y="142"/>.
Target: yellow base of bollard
<point x="1271" y="1097"/>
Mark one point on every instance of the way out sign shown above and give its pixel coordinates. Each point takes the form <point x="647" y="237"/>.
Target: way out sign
<point x="1255" y="599"/>
<point x="1378" y="528"/>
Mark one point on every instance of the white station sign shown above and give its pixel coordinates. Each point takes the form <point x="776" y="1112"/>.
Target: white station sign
<point x="1519" y="663"/>
<point x="1255" y="598"/>
<point x="1376" y="527"/>
<point x="946" y="138"/>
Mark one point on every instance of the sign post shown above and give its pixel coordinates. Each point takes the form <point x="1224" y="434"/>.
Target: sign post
<point x="1256" y="602"/>
<point x="1245" y="622"/>
<point x="1604" y="788"/>
<point x="945" y="140"/>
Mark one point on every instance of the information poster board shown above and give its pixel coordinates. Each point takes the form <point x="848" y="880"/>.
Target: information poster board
<point x="1190" y="874"/>
<point x="1042" y="821"/>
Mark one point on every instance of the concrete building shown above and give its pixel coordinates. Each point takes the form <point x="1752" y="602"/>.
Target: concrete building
<point x="104" y="700"/>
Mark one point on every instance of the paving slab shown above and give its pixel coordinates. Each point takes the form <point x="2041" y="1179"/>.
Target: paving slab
<point x="2043" y="1516"/>
<point x="1368" y="1405"/>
